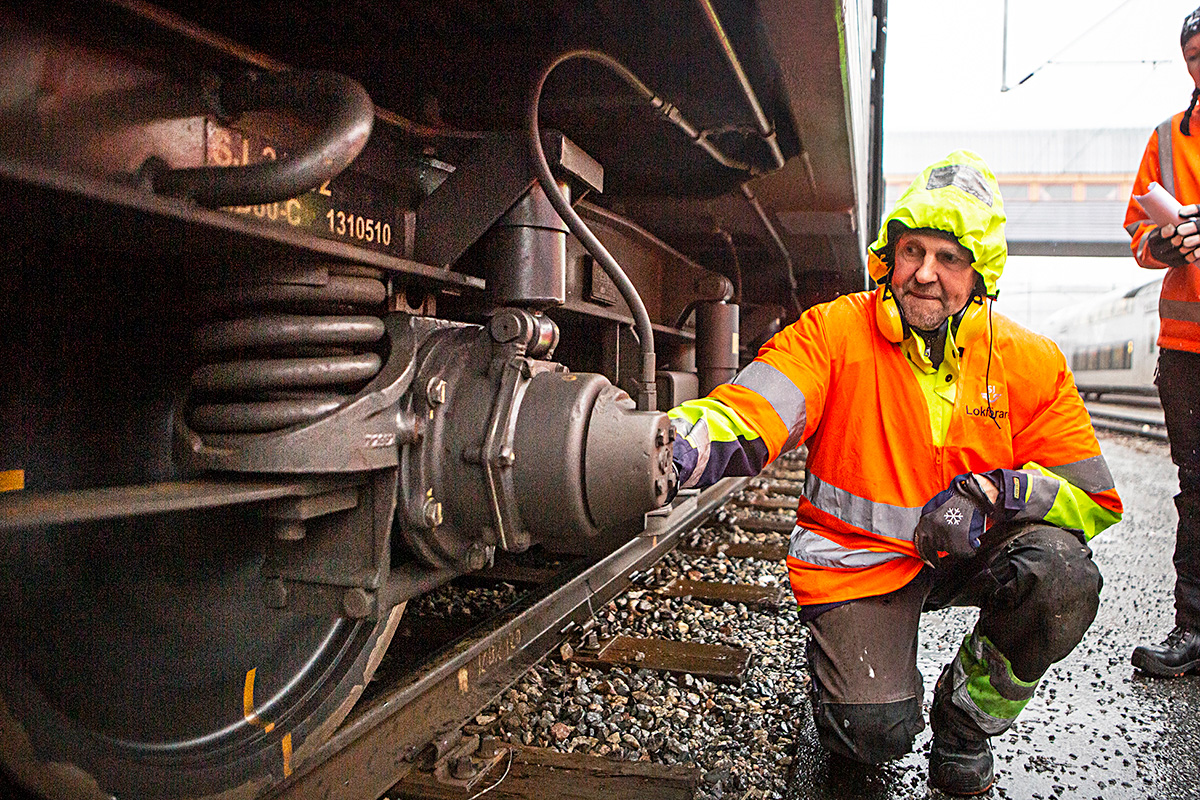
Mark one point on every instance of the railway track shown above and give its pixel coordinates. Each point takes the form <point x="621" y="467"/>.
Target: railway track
<point x="1135" y="415"/>
<point x="416" y="730"/>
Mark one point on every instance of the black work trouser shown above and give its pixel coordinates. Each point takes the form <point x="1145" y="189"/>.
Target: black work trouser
<point x="1179" y="387"/>
<point x="1037" y="591"/>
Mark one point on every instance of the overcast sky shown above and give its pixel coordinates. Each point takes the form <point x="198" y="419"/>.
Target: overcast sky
<point x="1103" y="63"/>
<point x="1098" y="64"/>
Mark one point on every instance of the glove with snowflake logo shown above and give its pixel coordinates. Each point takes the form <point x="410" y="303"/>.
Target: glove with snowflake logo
<point x="953" y="520"/>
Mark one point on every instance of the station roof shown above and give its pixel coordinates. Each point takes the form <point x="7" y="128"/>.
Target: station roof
<point x="1065" y="191"/>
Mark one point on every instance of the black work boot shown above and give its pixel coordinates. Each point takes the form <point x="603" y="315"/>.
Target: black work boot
<point x="960" y="758"/>
<point x="1177" y="656"/>
<point x="960" y="767"/>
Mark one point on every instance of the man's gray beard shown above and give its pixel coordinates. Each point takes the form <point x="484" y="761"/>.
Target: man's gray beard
<point x="924" y="322"/>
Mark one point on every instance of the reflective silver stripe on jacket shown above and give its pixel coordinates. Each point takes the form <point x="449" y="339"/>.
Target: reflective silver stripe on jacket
<point x="783" y="395"/>
<point x="813" y="548"/>
<point x="1166" y="166"/>
<point x="1091" y="474"/>
<point x="896" y="522"/>
<point x="1179" y="310"/>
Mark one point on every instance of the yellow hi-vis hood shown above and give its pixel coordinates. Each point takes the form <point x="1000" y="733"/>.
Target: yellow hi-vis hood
<point x="958" y="195"/>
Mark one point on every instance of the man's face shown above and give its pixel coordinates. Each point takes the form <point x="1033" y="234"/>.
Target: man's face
<point x="1191" y="57"/>
<point x="933" y="278"/>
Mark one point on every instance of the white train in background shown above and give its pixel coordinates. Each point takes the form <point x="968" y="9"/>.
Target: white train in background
<point x="1111" y="342"/>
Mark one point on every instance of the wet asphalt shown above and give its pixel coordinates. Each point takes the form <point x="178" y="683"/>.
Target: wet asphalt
<point x="1096" y="728"/>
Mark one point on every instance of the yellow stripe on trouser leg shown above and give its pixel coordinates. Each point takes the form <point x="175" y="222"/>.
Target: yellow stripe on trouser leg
<point x="985" y="687"/>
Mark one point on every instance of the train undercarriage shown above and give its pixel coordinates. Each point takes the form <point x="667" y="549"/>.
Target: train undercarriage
<point x="309" y="309"/>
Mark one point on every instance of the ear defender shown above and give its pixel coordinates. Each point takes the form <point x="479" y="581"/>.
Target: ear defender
<point x="970" y="322"/>
<point x="887" y="313"/>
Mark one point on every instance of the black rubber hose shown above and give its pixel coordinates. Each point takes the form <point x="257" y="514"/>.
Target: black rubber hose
<point x="647" y="394"/>
<point x="342" y="102"/>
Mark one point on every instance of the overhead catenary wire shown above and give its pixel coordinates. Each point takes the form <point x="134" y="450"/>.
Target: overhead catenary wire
<point x="1004" y="87"/>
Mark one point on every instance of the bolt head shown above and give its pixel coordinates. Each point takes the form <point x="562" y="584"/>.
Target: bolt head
<point x="433" y="513"/>
<point x="357" y="602"/>
<point x="487" y="747"/>
<point x="435" y="391"/>
<point x="505" y="326"/>
<point x="463" y="768"/>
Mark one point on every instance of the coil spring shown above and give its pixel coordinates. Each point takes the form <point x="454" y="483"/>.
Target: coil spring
<point x="289" y="350"/>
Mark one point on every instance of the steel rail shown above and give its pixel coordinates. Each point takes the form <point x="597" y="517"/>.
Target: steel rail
<point x="1133" y="418"/>
<point x="1144" y="430"/>
<point x="1122" y="416"/>
<point x="378" y="745"/>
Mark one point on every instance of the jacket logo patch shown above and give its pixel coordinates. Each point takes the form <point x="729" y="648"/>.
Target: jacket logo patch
<point x="991" y="395"/>
<point x="984" y="411"/>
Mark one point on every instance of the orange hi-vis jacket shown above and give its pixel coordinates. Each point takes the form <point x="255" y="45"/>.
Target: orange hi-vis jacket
<point x="1173" y="161"/>
<point x="834" y="381"/>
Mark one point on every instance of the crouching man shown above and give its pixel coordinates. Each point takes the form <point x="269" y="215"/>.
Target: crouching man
<point x="950" y="462"/>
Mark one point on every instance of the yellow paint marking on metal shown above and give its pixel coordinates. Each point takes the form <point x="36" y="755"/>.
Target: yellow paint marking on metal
<point x="247" y="699"/>
<point x="286" y="745"/>
<point x="12" y="480"/>
<point x="464" y="681"/>
<point x="248" y="704"/>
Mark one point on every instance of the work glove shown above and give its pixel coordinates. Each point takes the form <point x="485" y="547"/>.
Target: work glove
<point x="1175" y="245"/>
<point x="957" y="517"/>
<point x="953" y="520"/>
<point x="672" y="482"/>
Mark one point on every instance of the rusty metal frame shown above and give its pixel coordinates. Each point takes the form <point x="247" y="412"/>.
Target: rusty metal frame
<point x="378" y="744"/>
<point x="177" y="223"/>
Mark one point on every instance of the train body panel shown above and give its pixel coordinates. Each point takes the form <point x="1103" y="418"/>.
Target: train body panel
<point x="1111" y="343"/>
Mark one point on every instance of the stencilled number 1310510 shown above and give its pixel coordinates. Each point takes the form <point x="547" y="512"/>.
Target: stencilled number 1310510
<point x="359" y="227"/>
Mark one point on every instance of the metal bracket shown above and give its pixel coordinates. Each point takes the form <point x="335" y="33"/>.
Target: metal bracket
<point x="332" y="551"/>
<point x="467" y="762"/>
<point x="469" y="202"/>
<point x="496" y="453"/>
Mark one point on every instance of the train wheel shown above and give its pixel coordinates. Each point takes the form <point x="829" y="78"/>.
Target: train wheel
<point x="138" y="659"/>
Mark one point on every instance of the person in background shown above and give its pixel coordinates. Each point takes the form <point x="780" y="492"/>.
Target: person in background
<point x="1172" y="159"/>
<point x="950" y="462"/>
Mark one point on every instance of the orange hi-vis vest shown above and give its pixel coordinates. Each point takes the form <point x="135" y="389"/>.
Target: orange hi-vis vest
<point x="1173" y="161"/>
<point x="833" y="380"/>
